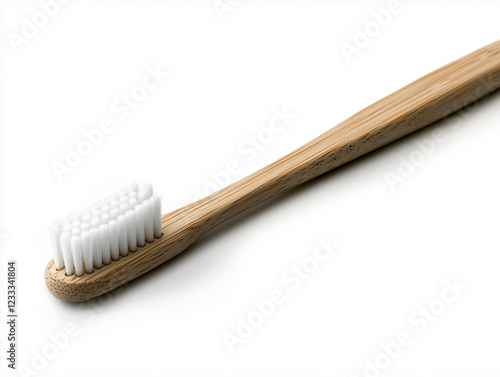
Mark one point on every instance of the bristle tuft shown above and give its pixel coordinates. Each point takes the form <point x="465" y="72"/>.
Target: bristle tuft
<point x="107" y="230"/>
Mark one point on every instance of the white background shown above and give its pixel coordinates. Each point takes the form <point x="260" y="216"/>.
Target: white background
<point x="398" y="245"/>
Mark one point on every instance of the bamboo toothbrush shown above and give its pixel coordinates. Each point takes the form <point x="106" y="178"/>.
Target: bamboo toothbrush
<point x="125" y="236"/>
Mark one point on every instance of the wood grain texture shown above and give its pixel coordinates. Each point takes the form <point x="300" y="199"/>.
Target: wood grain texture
<point x="417" y="105"/>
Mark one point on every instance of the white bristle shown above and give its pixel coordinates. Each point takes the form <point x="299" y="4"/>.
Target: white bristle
<point x="149" y="220"/>
<point x="104" y="241"/>
<point x="95" y="222"/>
<point x="105" y="218"/>
<point x="131" y="232"/>
<point x="133" y="201"/>
<point x="96" y="247"/>
<point x="96" y="206"/>
<point x="122" y="235"/>
<point x="113" y="240"/>
<point x="145" y="192"/>
<point x="156" y="215"/>
<point x="139" y="225"/>
<point x="88" y="259"/>
<point x="133" y="187"/>
<point x="113" y="214"/>
<point x="76" y="248"/>
<point x="123" y="208"/>
<point x="110" y="228"/>
<point x="66" y="252"/>
<point x="55" y="233"/>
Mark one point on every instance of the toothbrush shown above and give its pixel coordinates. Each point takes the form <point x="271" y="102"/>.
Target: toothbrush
<point x="125" y="235"/>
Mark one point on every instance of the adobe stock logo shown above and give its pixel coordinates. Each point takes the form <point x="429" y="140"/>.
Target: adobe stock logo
<point x="222" y="7"/>
<point x="35" y="362"/>
<point x="420" y="320"/>
<point x="292" y="279"/>
<point x="425" y="147"/>
<point x="121" y="107"/>
<point x="31" y="26"/>
<point x="247" y="150"/>
<point x="363" y="36"/>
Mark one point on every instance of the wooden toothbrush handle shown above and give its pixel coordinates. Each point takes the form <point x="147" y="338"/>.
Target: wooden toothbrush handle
<point x="417" y="105"/>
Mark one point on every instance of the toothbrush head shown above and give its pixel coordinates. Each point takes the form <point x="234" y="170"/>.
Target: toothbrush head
<point x="99" y="238"/>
